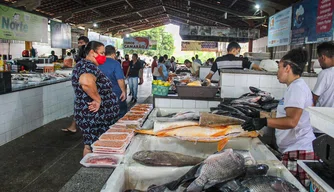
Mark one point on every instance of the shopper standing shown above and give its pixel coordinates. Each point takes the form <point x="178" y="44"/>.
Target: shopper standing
<point x="294" y="133"/>
<point x="197" y="60"/>
<point x="135" y="71"/>
<point x="82" y="41"/>
<point x="162" y="69"/>
<point x="154" y="65"/>
<point x="323" y="92"/>
<point x="112" y="69"/>
<point x="96" y="105"/>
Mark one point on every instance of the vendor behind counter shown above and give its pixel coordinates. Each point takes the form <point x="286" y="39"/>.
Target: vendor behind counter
<point x="232" y="61"/>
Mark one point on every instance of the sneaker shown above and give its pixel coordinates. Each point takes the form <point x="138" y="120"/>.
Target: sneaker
<point x="135" y="101"/>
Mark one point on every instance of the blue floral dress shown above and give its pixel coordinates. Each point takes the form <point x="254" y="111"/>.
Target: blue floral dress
<point x="93" y="124"/>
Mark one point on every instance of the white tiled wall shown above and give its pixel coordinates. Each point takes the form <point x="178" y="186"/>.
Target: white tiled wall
<point x="24" y="111"/>
<point x="184" y="103"/>
<point x="234" y="85"/>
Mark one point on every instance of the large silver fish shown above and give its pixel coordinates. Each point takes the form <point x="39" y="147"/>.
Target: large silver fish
<point x="218" y="168"/>
<point x="165" y="158"/>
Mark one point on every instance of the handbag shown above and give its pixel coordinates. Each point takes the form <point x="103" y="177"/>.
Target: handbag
<point x="156" y="72"/>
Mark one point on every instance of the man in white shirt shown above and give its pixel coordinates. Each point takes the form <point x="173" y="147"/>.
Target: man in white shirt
<point x="193" y="67"/>
<point x="323" y="92"/>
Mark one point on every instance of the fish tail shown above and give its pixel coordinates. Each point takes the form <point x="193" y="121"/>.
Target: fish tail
<point x="222" y="143"/>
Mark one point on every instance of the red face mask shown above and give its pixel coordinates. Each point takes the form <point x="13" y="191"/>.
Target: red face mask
<point x="100" y="59"/>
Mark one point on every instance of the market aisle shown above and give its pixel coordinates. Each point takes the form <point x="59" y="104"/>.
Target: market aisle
<point x="46" y="159"/>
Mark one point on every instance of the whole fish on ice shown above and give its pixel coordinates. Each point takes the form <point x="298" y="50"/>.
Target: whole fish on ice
<point x="218" y="168"/>
<point x="206" y="134"/>
<point x="165" y="158"/>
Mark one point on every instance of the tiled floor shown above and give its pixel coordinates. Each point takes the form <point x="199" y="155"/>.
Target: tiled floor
<point x="47" y="159"/>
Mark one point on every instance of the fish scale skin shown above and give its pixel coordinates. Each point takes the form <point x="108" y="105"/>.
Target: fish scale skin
<point x="218" y="168"/>
<point x="165" y="158"/>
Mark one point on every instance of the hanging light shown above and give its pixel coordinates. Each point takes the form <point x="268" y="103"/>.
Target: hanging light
<point x="94" y="24"/>
<point x="257" y="6"/>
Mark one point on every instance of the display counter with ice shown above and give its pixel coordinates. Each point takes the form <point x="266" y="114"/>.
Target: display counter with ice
<point x="133" y="175"/>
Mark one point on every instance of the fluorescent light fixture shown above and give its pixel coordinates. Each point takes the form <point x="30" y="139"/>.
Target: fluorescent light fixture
<point x="94" y="24"/>
<point x="257" y="6"/>
<point x="127" y="35"/>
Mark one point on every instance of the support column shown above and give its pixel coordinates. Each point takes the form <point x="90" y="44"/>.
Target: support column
<point x="250" y="45"/>
<point x="86" y="32"/>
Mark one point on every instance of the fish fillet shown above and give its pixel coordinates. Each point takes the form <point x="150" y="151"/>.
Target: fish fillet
<point x="207" y="119"/>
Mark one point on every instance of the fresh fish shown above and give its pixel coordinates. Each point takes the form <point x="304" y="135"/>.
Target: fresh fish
<point x="249" y="112"/>
<point x="165" y="158"/>
<point x="206" y="133"/>
<point x="132" y="190"/>
<point x="248" y="158"/>
<point x="254" y="89"/>
<point x="231" y="114"/>
<point x="181" y="116"/>
<point x="218" y="168"/>
<point x="168" y="115"/>
<point x="269" y="106"/>
<point x="266" y="96"/>
<point x="230" y="109"/>
<point x="160" y="126"/>
<point x="268" y="184"/>
<point x="229" y="186"/>
<point x="247" y="95"/>
<point x="250" y="99"/>
<point x="256" y="170"/>
<point x="208" y="119"/>
<point x="256" y="105"/>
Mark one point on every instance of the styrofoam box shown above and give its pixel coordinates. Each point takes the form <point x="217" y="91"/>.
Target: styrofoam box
<point x="133" y="175"/>
<point x="322" y="118"/>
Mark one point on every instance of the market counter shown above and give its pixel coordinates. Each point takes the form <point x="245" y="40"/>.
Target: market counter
<point x="33" y="105"/>
<point x="236" y="82"/>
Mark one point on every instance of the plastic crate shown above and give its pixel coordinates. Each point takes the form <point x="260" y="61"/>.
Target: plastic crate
<point x="160" y="90"/>
<point x="196" y="91"/>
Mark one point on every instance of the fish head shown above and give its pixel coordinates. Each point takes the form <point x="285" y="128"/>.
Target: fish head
<point x="279" y="184"/>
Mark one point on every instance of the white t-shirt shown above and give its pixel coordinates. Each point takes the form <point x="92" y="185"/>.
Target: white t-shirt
<point x="297" y="95"/>
<point x="324" y="88"/>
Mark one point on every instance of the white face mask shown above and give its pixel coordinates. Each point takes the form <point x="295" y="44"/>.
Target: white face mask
<point x="238" y="55"/>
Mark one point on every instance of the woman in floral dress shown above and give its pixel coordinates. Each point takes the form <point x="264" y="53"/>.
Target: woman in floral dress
<point x="95" y="107"/>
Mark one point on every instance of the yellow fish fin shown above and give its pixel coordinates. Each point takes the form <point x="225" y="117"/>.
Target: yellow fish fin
<point x="222" y="143"/>
<point x="147" y="132"/>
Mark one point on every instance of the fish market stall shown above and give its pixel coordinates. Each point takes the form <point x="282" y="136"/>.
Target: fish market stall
<point x="35" y="100"/>
<point x="133" y="175"/>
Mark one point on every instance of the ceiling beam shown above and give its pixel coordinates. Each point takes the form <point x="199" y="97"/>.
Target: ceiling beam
<point x="187" y="19"/>
<point x="142" y="25"/>
<point x="222" y="9"/>
<point x="129" y="4"/>
<point x="271" y="4"/>
<point x="118" y="16"/>
<point x="88" y="8"/>
<point x="204" y="18"/>
<point x="134" y="21"/>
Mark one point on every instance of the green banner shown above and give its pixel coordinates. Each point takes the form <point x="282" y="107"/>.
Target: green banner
<point x="19" y="25"/>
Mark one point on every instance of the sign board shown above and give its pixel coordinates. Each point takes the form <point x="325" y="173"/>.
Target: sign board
<point x="139" y="43"/>
<point x="219" y="31"/>
<point x="279" y="28"/>
<point x="322" y="25"/>
<point x="199" y="46"/>
<point x="60" y="35"/>
<point x="19" y="25"/>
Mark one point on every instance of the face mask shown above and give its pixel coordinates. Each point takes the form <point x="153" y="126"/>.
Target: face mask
<point x="238" y="55"/>
<point x="100" y="59"/>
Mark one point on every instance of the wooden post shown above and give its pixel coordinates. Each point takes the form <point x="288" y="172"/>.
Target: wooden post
<point x="250" y="45"/>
